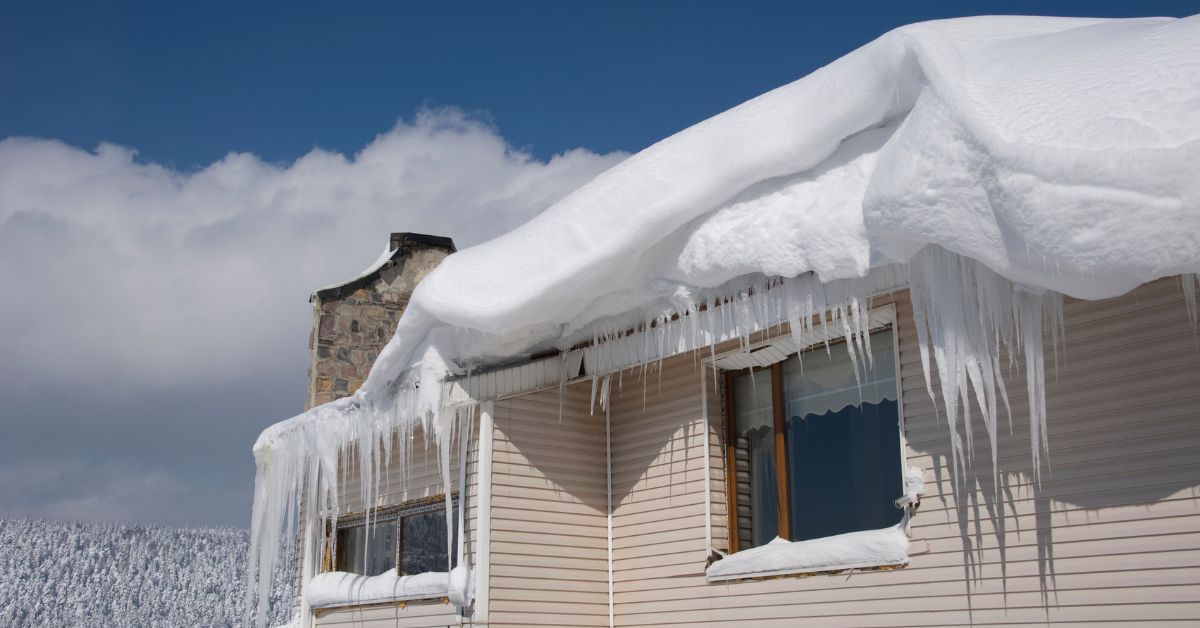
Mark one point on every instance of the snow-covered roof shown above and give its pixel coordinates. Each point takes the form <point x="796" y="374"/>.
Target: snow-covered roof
<point x="1017" y="158"/>
<point x="1060" y="152"/>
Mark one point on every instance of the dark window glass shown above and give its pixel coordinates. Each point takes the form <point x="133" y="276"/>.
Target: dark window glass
<point x="843" y="470"/>
<point x="370" y="555"/>
<point x="843" y="440"/>
<point x="423" y="542"/>
<point x="416" y="535"/>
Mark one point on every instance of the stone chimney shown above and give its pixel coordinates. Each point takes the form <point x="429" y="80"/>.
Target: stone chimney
<point x="352" y="321"/>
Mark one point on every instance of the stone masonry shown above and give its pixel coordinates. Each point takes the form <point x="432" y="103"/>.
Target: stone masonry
<point x="354" y="320"/>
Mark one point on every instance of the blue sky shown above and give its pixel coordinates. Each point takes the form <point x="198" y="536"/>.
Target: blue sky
<point x="175" y="178"/>
<point x="186" y="82"/>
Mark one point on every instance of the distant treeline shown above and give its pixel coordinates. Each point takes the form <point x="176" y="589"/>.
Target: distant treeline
<point x="55" y="573"/>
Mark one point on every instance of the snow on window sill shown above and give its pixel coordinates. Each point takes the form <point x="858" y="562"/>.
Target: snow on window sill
<point x="338" y="588"/>
<point x="853" y="550"/>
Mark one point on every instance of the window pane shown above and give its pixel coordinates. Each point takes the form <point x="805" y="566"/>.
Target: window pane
<point x="367" y="555"/>
<point x="843" y="441"/>
<point x="423" y="546"/>
<point x="753" y="418"/>
<point x="820" y="381"/>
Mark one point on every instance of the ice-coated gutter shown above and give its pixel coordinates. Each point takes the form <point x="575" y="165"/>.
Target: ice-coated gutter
<point x="483" y="515"/>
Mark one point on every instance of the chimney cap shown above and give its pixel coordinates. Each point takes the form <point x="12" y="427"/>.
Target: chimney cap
<point x="406" y="239"/>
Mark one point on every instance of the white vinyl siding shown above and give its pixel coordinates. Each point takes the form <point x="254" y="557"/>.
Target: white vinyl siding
<point x="549" y="562"/>
<point x="1112" y="534"/>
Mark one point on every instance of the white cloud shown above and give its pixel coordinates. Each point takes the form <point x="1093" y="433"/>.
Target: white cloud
<point x="120" y="272"/>
<point x="153" y="321"/>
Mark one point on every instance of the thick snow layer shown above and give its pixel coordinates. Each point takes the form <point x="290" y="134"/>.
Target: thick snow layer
<point x="1050" y="149"/>
<point x="994" y="163"/>
<point x="853" y="550"/>
<point x="338" y="588"/>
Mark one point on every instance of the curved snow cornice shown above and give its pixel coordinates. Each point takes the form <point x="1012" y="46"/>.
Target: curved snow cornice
<point x="1014" y="157"/>
<point x="1061" y="153"/>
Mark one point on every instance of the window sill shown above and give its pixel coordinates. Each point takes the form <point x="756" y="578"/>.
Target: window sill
<point x="867" y="549"/>
<point x="338" y="588"/>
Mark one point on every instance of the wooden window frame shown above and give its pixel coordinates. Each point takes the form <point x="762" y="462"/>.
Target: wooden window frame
<point x="779" y="432"/>
<point x="778" y="427"/>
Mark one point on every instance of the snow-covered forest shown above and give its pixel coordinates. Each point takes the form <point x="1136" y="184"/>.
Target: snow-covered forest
<point x="56" y="573"/>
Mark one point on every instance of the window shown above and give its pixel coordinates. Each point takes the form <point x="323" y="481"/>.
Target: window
<point x="411" y="537"/>
<point x="817" y="447"/>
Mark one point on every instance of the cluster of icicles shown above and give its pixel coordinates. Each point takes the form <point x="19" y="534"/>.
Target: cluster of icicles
<point x="970" y="322"/>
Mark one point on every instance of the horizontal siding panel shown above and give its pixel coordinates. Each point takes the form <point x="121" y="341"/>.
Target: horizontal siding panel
<point x="515" y="615"/>
<point x="550" y="581"/>
<point x="833" y="603"/>
<point x="890" y="586"/>
<point x="547" y="499"/>
<point x="521" y="576"/>
<point x="563" y="540"/>
<point x="939" y="578"/>
<point x="1130" y="613"/>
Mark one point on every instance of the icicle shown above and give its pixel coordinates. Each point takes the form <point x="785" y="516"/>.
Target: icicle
<point x="1189" y="282"/>
<point x="966" y="316"/>
<point x="447" y="491"/>
<point x="1035" y="378"/>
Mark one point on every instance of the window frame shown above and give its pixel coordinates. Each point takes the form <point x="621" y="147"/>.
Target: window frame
<point x="381" y="515"/>
<point x="882" y="319"/>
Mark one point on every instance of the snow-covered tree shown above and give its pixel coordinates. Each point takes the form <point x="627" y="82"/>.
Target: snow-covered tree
<point x="56" y="573"/>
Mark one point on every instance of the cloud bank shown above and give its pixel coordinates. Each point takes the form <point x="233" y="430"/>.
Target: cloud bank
<point x="154" y="320"/>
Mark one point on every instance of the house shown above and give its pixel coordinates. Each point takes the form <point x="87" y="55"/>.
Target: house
<point x="680" y="412"/>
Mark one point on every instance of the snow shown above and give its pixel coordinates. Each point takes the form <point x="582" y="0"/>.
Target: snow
<point x="853" y="550"/>
<point x="914" y="487"/>
<point x="89" y="575"/>
<point x="459" y="585"/>
<point x="994" y="164"/>
<point x="338" y="588"/>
